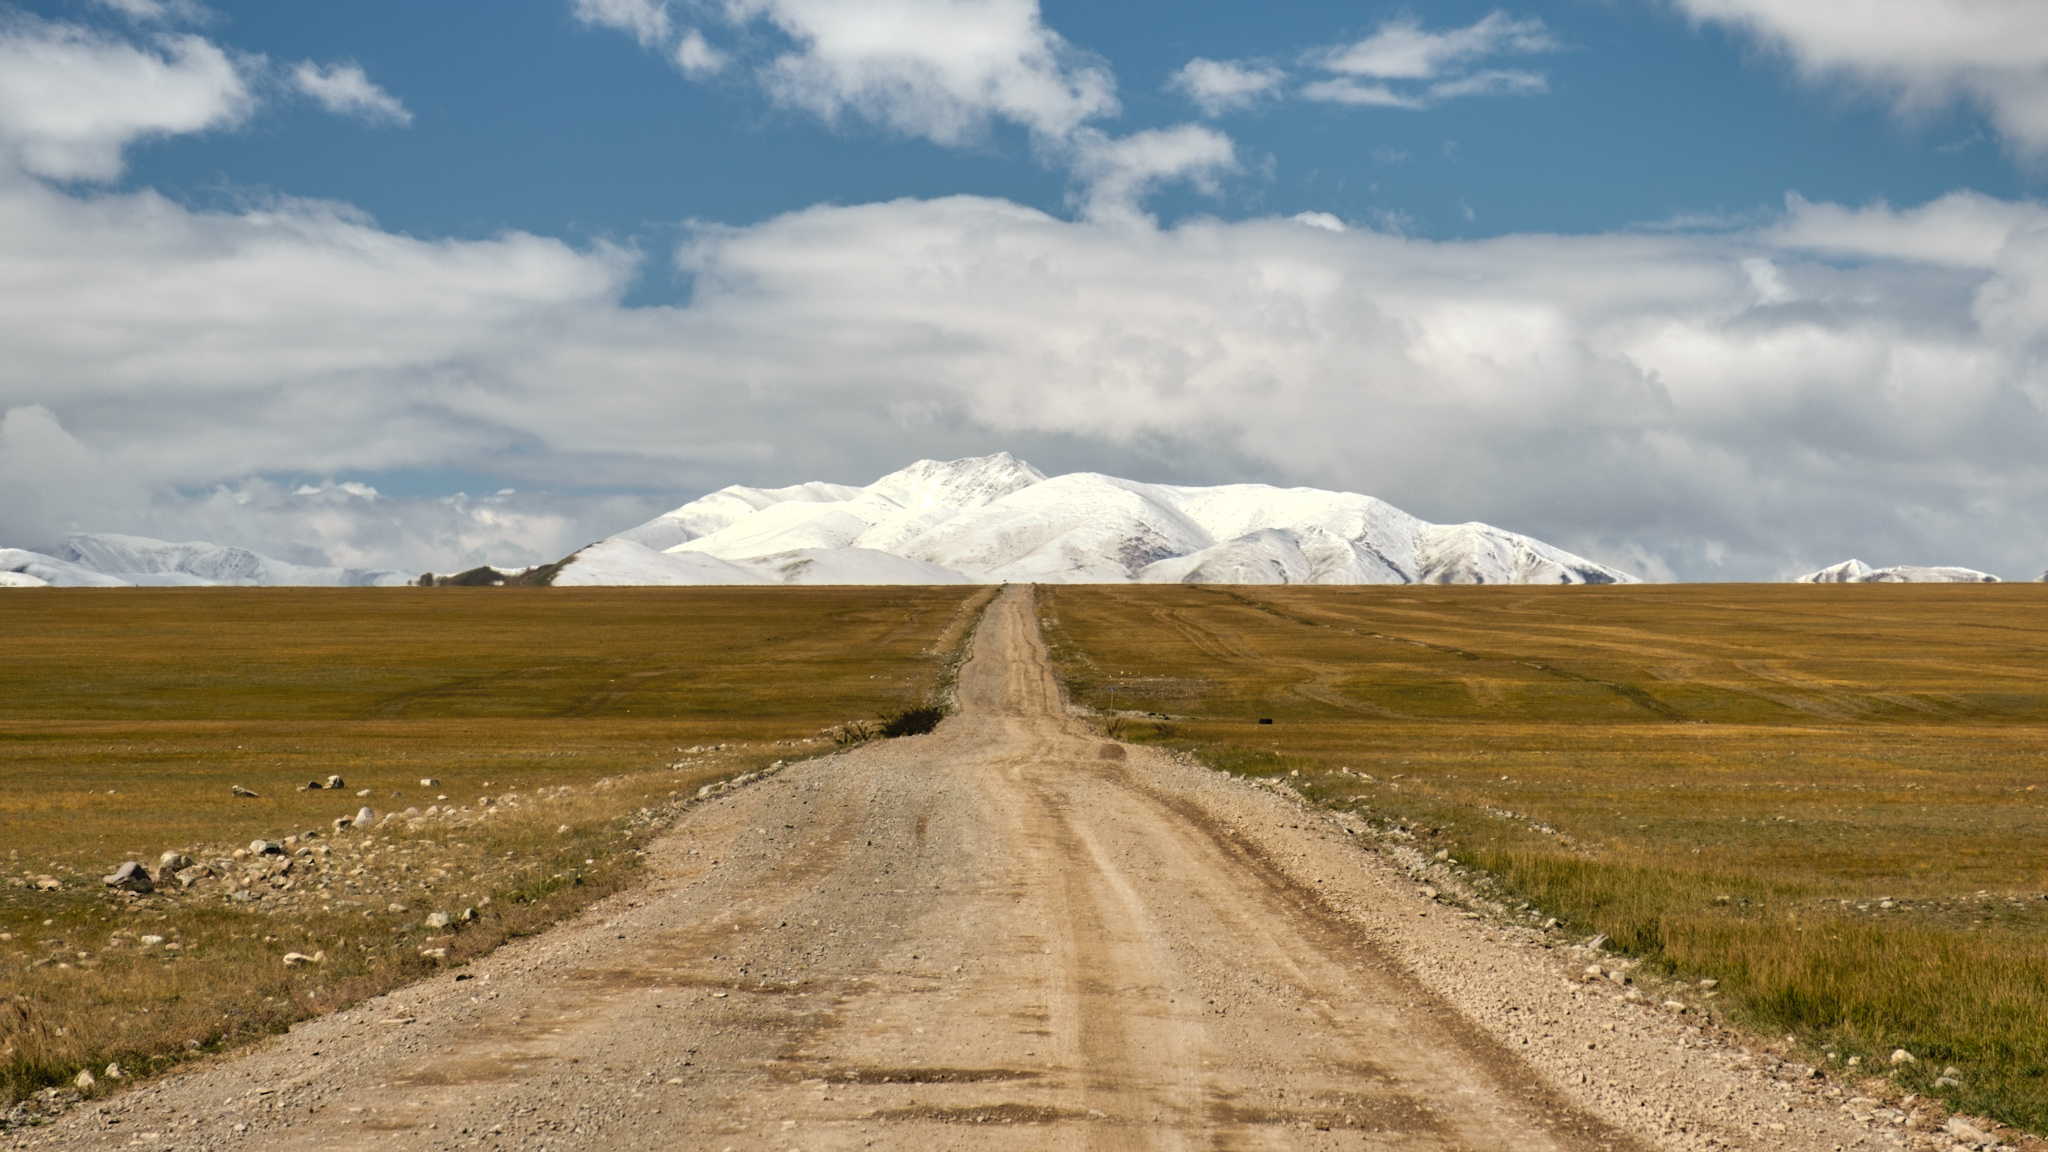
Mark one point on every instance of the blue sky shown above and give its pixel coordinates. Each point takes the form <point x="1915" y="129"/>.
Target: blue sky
<point x="525" y="117"/>
<point x="1711" y="289"/>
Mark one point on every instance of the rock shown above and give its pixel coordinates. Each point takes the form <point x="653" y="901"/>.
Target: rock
<point x="396" y="909"/>
<point x="265" y="848"/>
<point x="364" y="792"/>
<point x="412" y="813"/>
<point x="434" y="953"/>
<point x="294" y="959"/>
<point x="467" y="916"/>
<point x="1901" y="1056"/>
<point x="335" y="782"/>
<point x="439" y="920"/>
<point x="151" y="941"/>
<point x="562" y="831"/>
<point x="49" y="884"/>
<point x="192" y="874"/>
<point x="1947" y="1082"/>
<point x="429" y="782"/>
<point x="1951" y="1070"/>
<point x="245" y="793"/>
<point x="1673" y="1006"/>
<point x="130" y="877"/>
<point x="114" y="1072"/>
<point x="366" y="818"/>
<point x="1596" y="943"/>
<point x="1964" y="1132"/>
<point x="172" y="861"/>
<point x="1618" y="976"/>
<point x="1593" y="972"/>
<point x="84" y="1081"/>
<point x="1709" y="985"/>
<point x="311" y="786"/>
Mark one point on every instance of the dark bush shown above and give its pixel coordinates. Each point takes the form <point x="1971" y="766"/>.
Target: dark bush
<point x="913" y="721"/>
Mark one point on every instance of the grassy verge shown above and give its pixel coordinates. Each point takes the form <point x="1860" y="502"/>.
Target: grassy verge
<point x="518" y="747"/>
<point x="1824" y="799"/>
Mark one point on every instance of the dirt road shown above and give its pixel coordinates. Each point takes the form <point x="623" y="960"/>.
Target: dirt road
<point x="1007" y="934"/>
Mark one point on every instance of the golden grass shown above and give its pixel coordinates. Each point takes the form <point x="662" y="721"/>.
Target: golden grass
<point x="1824" y="797"/>
<point x="587" y="716"/>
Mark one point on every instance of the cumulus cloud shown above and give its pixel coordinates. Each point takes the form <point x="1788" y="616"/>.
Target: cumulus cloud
<point x="1117" y="172"/>
<point x="345" y="90"/>
<point x="645" y="20"/>
<point x="1219" y="86"/>
<point x="72" y="99"/>
<point x="1404" y="65"/>
<point x="696" y="57"/>
<point x="942" y="70"/>
<point x="1922" y="53"/>
<point x="1845" y="380"/>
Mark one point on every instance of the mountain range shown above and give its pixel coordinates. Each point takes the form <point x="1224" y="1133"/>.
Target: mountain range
<point x="996" y="519"/>
<point x="978" y="520"/>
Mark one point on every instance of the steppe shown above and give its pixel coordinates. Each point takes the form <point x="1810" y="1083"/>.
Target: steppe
<point x="1375" y="921"/>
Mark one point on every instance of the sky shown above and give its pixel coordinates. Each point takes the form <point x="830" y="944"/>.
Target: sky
<point x="1704" y="289"/>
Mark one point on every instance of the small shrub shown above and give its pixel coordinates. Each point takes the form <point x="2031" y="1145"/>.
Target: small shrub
<point x="913" y="721"/>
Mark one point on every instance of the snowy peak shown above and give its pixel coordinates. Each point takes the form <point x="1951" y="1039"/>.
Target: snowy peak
<point x="106" y="559"/>
<point x="1857" y="572"/>
<point x="998" y="519"/>
<point x="968" y="483"/>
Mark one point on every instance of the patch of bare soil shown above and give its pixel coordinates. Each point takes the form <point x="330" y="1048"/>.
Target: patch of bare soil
<point x="1008" y="934"/>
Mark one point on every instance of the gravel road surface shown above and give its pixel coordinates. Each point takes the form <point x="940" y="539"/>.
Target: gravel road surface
<point x="1008" y="934"/>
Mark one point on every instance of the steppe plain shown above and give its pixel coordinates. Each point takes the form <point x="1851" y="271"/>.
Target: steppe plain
<point x="1015" y="932"/>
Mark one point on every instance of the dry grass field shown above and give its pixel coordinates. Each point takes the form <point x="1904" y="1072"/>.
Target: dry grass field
<point x="1832" y="800"/>
<point x="560" y="727"/>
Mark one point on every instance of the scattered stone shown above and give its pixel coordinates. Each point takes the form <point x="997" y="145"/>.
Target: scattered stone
<point x="1596" y="943"/>
<point x="1947" y="1082"/>
<point x="294" y="959"/>
<point x="1709" y="985"/>
<point x="192" y="874"/>
<point x="336" y="782"/>
<point x="366" y="818"/>
<point x="562" y="831"/>
<point x="1674" y="1006"/>
<point x="1901" y="1056"/>
<point x="172" y="861"/>
<point x="114" y="1072"/>
<point x="1951" y="1070"/>
<point x="364" y="792"/>
<point x="245" y="793"/>
<point x="439" y="920"/>
<point x="396" y="909"/>
<point x="151" y="941"/>
<point x="311" y="786"/>
<point x="1618" y="976"/>
<point x="1964" y="1132"/>
<point x="434" y="953"/>
<point x="429" y="782"/>
<point x="1593" y="972"/>
<point x="84" y="1080"/>
<point x="130" y="877"/>
<point x="49" y="884"/>
<point x="467" y="916"/>
<point x="265" y="848"/>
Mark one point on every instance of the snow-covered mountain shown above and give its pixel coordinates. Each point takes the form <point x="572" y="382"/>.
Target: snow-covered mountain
<point x="106" y="560"/>
<point x="995" y="519"/>
<point x="1857" y="572"/>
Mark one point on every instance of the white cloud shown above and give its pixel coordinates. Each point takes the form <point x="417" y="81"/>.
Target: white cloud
<point x="645" y="20"/>
<point x="1923" y="53"/>
<point x="1117" y="172"/>
<point x="345" y="90"/>
<point x="1404" y="65"/>
<point x="72" y="99"/>
<point x="157" y="11"/>
<point x="696" y="57"/>
<point x="1219" y="86"/>
<point x="1843" y="381"/>
<point x="942" y="70"/>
